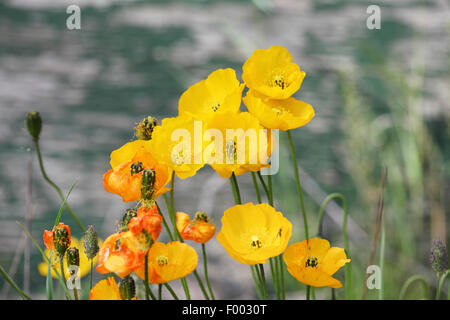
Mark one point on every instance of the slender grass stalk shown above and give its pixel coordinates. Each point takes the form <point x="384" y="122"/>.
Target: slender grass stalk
<point x="441" y="283"/>
<point x="281" y="267"/>
<point x="61" y="265"/>
<point x="263" y="183"/>
<point x="171" y="291"/>
<point x="382" y="253"/>
<point x="410" y="281"/>
<point x="55" y="186"/>
<point x="205" y="264"/>
<point x="49" y="280"/>
<point x="44" y="256"/>
<point x="13" y="284"/>
<point x="91" y="273"/>
<point x="324" y="204"/>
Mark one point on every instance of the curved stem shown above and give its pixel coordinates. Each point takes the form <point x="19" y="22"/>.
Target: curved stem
<point x="344" y="233"/>
<point x="263" y="183"/>
<point x="205" y="264"/>
<point x="148" y="292"/>
<point x="297" y="180"/>
<point x="13" y="284"/>
<point x="441" y="283"/>
<point x="410" y="281"/>
<point x="166" y="226"/>
<point x="171" y="291"/>
<point x="55" y="186"/>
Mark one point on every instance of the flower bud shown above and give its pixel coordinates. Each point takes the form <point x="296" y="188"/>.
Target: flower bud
<point x="61" y="238"/>
<point x="90" y="242"/>
<point x="34" y="124"/>
<point x="127" y="287"/>
<point x="73" y="257"/>
<point x="129" y="214"/>
<point x="148" y="184"/>
<point x="438" y="256"/>
<point x="144" y="130"/>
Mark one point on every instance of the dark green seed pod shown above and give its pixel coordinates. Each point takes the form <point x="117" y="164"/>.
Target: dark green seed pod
<point x="90" y="242"/>
<point x="144" y="130"/>
<point x="438" y="256"/>
<point x="127" y="286"/>
<point x="148" y="184"/>
<point x="73" y="257"/>
<point x="34" y="124"/>
<point x="129" y="214"/>
<point x="61" y="239"/>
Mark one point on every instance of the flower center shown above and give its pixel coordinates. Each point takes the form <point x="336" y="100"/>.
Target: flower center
<point x="256" y="243"/>
<point x="162" y="261"/>
<point x="215" y="106"/>
<point x="311" y="262"/>
<point x="136" y="167"/>
<point x="278" y="81"/>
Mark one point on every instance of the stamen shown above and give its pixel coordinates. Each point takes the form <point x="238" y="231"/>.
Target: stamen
<point x="311" y="262"/>
<point x="256" y="243"/>
<point x="162" y="260"/>
<point x="215" y="106"/>
<point x="136" y="167"/>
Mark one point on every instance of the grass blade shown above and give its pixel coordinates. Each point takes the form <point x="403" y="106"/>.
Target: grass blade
<point x="13" y="284"/>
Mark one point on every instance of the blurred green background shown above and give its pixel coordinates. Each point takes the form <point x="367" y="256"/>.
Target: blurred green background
<point x="381" y="99"/>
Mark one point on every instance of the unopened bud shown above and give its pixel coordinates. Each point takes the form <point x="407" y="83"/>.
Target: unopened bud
<point x="91" y="242"/>
<point x="73" y="257"/>
<point x="34" y="124"/>
<point x="61" y="239"/>
<point x="129" y="214"/>
<point x="438" y="256"/>
<point x="201" y="216"/>
<point x="144" y="130"/>
<point x="127" y="288"/>
<point x="136" y="167"/>
<point x="148" y="184"/>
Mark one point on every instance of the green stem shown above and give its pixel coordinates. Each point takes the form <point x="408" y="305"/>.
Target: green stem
<point x="200" y="283"/>
<point x="344" y="233"/>
<point x="159" y="291"/>
<point x="410" y="281"/>
<point x="263" y="281"/>
<point x="308" y="292"/>
<point x="269" y="183"/>
<point x="255" y="280"/>
<point x="235" y="188"/>
<point x="75" y="293"/>
<point x="274" y="272"/>
<point x="186" y="288"/>
<point x="255" y="185"/>
<point x="441" y="283"/>
<point x="281" y="266"/>
<point x="55" y="186"/>
<point x="148" y="292"/>
<point x="382" y="252"/>
<point x="297" y="180"/>
<point x="171" y="291"/>
<point x="166" y="226"/>
<point x="13" y="284"/>
<point x="49" y="280"/>
<point x="205" y="264"/>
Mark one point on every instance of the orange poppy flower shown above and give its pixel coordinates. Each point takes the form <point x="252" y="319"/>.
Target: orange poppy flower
<point x="49" y="236"/>
<point x="128" y="163"/>
<point x="200" y="229"/>
<point x="117" y="255"/>
<point x="167" y="262"/>
<point x="148" y="220"/>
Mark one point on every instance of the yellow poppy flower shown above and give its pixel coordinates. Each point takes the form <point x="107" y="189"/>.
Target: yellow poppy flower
<point x="241" y="144"/>
<point x="272" y="73"/>
<point x="106" y="289"/>
<point x="167" y="262"/>
<point x="220" y="92"/>
<point x="128" y="163"/>
<point x="85" y="263"/>
<point x="278" y="114"/>
<point x="174" y="144"/>
<point x="313" y="262"/>
<point x="251" y="234"/>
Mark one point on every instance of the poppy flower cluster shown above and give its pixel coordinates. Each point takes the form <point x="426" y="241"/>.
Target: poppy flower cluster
<point x="143" y="171"/>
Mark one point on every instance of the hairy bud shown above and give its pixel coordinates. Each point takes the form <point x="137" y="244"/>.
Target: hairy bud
<point x="91" y="242"/>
